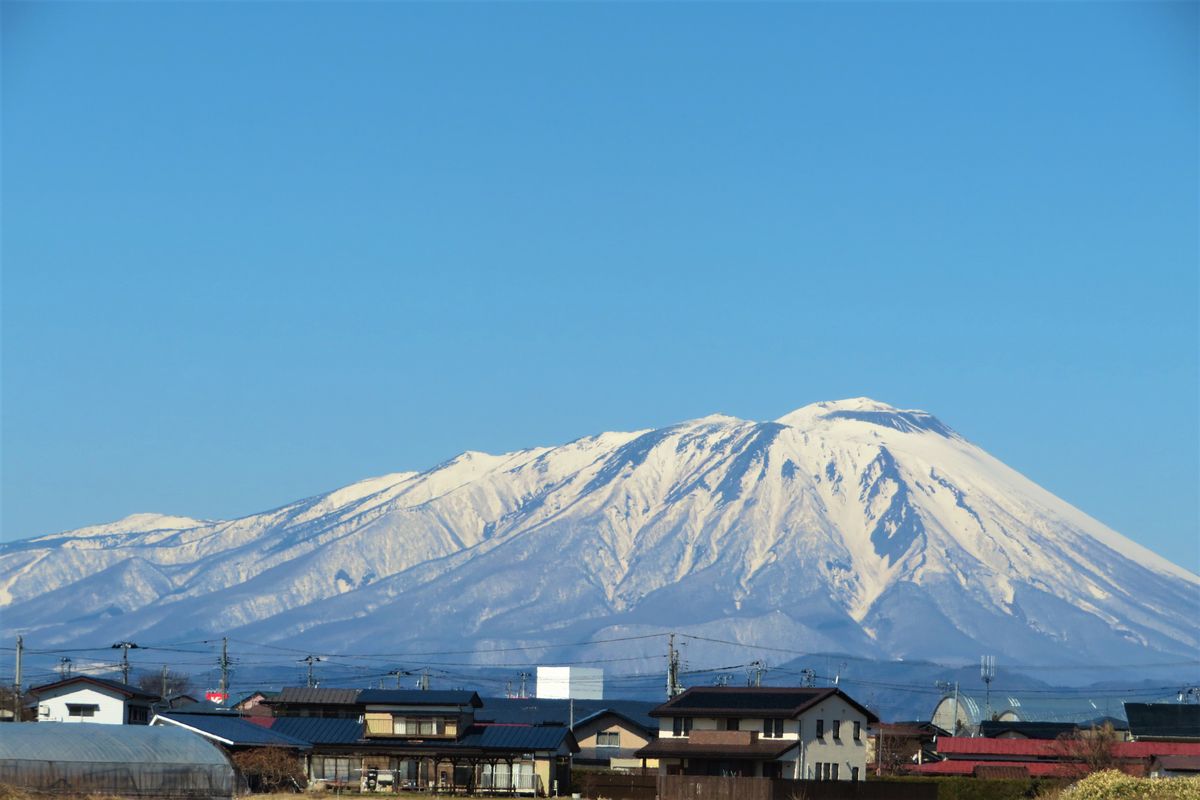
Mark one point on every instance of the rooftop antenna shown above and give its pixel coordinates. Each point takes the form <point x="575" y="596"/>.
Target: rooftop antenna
<point x="64" y="667"/>
<point x="1188" y="693"/>
<point x="808" y="677"/>
<point x="987" y="673"/>
<point x="757" y="668"/>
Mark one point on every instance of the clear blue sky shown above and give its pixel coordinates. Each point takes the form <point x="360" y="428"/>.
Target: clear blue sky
<point x="254" y="251"/>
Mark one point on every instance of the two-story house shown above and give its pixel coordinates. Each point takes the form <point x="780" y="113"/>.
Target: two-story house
<point x="87" y="699"/>
<point x="764" y="732"/>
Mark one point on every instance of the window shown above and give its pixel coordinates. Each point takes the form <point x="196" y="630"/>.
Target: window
<point x="837" y="730"/>
<point x="608" y="739"/>
<point x="82" y="709"/>
<point x="826" y="766"/>
<point x="681" y="726"/>
<point x="772" y="728"/>
<point x="854" y="773"/>
<point x="834" y="767"/>
<point x="732" y="724"/>
<point x="139" y="715"/>
<point x="330" y="768"/>
<point x="857" y="731"/>
<point x="820" y="729"/>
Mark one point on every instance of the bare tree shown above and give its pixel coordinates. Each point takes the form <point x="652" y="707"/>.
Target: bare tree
<point x="1090" y="751"/>
<point x="177" y="683"/>
<point x="271" y="769"/>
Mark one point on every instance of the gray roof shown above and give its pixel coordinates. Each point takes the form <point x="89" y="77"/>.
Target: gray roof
<point x="302" y="695"/>
<point x="105" y="744"/>
<point x="1164" y="720"/>
<point x="418" y="697"/>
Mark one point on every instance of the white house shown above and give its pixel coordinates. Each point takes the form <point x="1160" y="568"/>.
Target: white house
<point x="87" y="699"/>
<point x="767" y="732"/>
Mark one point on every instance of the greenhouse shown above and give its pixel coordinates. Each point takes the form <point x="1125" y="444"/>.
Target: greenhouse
<point x="134" y="761"/>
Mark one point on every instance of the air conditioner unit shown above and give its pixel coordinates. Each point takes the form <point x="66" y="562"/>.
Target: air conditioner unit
<point x="43" y="711"/>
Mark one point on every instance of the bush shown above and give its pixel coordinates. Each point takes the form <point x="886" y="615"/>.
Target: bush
<point x="270" y="769"/>
<point x="1113" y="785"/>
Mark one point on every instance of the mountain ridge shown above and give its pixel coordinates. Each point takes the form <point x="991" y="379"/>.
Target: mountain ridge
<point x="839" y="522"/>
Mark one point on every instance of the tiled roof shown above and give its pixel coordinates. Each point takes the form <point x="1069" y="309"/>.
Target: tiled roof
<point x="232" y="730"/>
<point x="302" y="695"/>
<point x="1164" y="720"/>
<point x="417" y="697"/>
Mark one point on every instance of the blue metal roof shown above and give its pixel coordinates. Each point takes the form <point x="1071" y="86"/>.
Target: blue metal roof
<point x="516" y="737"/>
<point x="235" y="730"/>
<point x="319" y="730"/>
<point x="92" y="743"/>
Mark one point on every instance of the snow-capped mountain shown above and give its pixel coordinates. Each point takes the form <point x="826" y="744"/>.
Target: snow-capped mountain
<point x="848" y="526"/>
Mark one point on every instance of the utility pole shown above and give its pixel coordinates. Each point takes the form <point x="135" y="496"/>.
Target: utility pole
<point x="224" y="663"/>
<point x="987" y="672"/>
<point x="524" y="692"/>
<point x="425" y="680"/>
<point x="673" y="687"/>
<point x="124" y="647"/>
<point x="64" y="667"/>
<point x="17" y="680"/>
<point x="757" y="668"/>
<point x="310" y="660"/>
<point x="809" y="677"/>
<point x="398" y="673"/>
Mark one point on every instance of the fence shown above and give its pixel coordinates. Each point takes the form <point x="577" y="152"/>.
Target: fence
<point x="694" y="787"/>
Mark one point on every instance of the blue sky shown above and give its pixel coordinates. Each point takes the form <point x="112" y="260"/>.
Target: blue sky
<point x="254" y="251"/>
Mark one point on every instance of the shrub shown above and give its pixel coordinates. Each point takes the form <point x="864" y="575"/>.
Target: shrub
<point x="1114" y="785"/>
<point x="270" y="769"/>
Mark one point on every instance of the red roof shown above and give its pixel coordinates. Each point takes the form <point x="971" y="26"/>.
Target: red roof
<point x="1043" y="748"/>
<point x="967" y="767"/>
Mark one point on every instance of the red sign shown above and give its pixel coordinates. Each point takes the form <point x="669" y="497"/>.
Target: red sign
<point x="216" y="696"/>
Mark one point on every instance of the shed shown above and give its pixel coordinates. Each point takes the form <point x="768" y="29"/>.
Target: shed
<point x="154" y="763"/>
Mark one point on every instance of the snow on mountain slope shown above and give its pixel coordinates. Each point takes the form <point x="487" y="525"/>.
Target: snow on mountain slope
<point x="850" y="525"/>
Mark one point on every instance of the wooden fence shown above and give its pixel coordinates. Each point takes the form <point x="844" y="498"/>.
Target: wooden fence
<point x="689" y="787"/>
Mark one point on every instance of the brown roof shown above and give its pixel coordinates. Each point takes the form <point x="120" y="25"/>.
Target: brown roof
<point x="1180" y="763"/>
<point x="678" y="747"/>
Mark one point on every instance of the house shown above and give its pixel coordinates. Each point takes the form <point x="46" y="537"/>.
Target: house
<point x="609" y="732"/>
<point x="314" y="701"/>
<point x="765" y="732"/>
<point x="611" y="739"/>
<point x="84" y="698"/>
<point x="1163" y="722"/>
<point x="894" y="746"/>
<point x="1175" y="767"/>
<point x="387" y="739"/>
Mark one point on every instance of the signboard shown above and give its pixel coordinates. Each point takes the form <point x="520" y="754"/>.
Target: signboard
<point x="216" y="696"/>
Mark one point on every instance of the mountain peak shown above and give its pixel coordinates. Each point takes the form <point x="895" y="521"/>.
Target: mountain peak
<point x="866" y="410"/>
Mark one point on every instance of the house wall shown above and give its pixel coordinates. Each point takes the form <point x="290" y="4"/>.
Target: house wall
<point x="843" y="751"/>
<point x="52" y="705"/>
